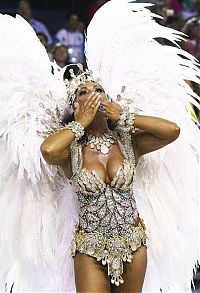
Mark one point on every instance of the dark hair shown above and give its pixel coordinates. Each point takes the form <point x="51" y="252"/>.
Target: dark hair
<point x="67" y="118"/>
<point x="195" y="23"/>
<point x="75" y="68"/>
<point x="26" y="1"/>
<point x="42" y="34"/>
<point x="69" y="14"/>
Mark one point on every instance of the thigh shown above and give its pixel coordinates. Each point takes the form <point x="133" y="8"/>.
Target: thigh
<point x="90" y="275"/>
<point x="134" y="273"/>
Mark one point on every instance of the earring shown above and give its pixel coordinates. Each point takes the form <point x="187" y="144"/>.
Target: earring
<point x="101" y="107"/>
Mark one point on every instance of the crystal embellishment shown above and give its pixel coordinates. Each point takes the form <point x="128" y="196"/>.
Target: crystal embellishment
<point x="110" y="250"/>
<point x="109" y="226"/>
<point x="102" y="143"/>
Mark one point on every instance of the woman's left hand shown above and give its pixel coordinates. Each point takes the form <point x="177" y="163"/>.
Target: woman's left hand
<point x="111" y="110"/>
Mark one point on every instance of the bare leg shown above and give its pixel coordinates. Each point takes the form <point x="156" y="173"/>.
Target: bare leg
<point x="90" y="275"/>
<point x="134" y="273"/>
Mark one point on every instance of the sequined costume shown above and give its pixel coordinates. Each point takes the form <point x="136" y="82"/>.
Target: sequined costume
<point x="38" y="207"/>
<point x="107" y="227"/>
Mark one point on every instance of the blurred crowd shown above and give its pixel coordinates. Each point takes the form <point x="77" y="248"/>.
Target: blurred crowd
<point x="67" y="45"/>
<point x="183" y="15"/>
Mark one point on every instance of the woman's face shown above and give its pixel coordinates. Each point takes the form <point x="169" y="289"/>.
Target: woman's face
<point x="61" y="54"/>
<point x="87" y="89"/>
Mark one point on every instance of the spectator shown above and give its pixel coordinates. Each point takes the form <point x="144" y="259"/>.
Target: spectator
<point x="81" y="27"/>
<point x="176" y="6"/>
<point x="60" y="55"/>
<point x="170" y="10"/>
<point x="72" y="38"/>
<point x="43" y="39"/>
<point x="25" y="10"/>
<point x="189" y="8"/>
<point x="192" y="29"/>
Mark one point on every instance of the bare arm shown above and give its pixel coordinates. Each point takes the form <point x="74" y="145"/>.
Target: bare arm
<point x="156" y="133"/>
<point x="56" y="148"/>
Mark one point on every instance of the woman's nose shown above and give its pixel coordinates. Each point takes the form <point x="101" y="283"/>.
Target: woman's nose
<point x="91" y="91"/>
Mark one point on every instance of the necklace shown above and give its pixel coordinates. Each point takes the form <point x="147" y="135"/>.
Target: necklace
<point x="101" y="143"/>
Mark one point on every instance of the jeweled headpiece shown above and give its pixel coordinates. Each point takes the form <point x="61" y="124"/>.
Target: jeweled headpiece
<point x="76" y="80"/>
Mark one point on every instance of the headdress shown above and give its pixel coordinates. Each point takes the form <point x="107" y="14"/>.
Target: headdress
<point x="63" y="107"/>
<point x="81" y="76"/>
<point x="76" y="80"/>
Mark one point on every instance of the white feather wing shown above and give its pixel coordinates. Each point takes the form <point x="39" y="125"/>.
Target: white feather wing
<point x="33" y="222"/>
<point x="121" y="49"/>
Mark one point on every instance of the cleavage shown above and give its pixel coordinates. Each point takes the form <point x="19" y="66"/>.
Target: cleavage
<point x="105" y="166"/>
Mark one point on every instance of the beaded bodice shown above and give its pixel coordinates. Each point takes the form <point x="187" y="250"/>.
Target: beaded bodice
<point x="89" y="182"/>
<point x="111" y="212"/>
<point x="108" y="228"/>
<point x="107" y="208"/>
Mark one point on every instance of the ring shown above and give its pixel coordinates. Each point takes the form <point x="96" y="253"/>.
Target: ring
<point x="101" y="107"/>
<point x="92" y="106"/>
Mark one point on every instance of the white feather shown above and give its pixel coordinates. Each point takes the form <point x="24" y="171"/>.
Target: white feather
<point x="121" y="49"/>
<point x="30" y="249"/>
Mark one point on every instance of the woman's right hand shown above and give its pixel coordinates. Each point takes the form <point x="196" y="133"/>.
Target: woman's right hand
<point x="86" y="112"/>
<point x="55" y="148"/>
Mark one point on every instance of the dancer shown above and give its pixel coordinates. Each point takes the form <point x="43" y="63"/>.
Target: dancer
<point x="40" y="213"/>
<point x="103" y="167"/>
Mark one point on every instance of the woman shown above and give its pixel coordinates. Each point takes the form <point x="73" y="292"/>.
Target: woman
<point x="38" y="205"/>
<point x="60" y="55"/>
<point x="192" y="44"/>
<point x="155" y="133"/>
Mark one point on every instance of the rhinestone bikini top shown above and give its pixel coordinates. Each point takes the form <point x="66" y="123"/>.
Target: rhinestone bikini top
<point x="88" y="182"/>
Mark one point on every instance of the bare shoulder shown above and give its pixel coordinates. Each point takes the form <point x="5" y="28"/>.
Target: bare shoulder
<point x="146" y="142"/>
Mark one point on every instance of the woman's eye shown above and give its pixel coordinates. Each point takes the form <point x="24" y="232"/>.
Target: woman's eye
<point x="82" y="93"/>
<point x="99" y="90"/>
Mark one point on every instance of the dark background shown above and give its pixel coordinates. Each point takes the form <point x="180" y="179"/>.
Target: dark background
<point x="47" y="3"/>
<point x="50" y="12"/>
